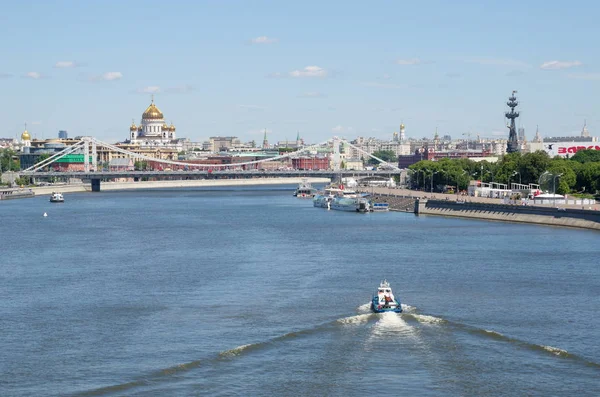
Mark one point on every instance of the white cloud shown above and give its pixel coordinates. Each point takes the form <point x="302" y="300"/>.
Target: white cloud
<point x="65" y="64"/>
<point x="108" y="76"/>
<point x="151" y="89"/>
<point x="338" y="128"/>
<point x="33" y="75"/>
<point x="386" y="76"/>
<point x="585" y="76"/>
<point x="558" y="65"/>
<point x="180" y="89"/>
<point x="413" y="61"/>
<point x="312" y="94"/>
<point x="5" y="75"/>
<point x="263" y="40"/>
<point x="309" y="71"/>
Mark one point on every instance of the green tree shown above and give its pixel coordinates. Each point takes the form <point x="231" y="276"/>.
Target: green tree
<point x="586" y="156"/>
<point x="140" y="165"/>
<point x="386" y="155"/>
<point x="533" y="165"/>
<point x="8" y="161"/>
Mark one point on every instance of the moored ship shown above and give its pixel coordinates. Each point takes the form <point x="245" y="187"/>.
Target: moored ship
<point x="305" y="190"/>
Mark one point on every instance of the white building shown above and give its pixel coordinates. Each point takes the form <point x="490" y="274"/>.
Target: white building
<point x="153" y="130"/>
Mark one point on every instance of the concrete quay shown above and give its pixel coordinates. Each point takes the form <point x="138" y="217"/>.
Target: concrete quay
<point x="111" y="186"/>
<point x="422" y="203"/>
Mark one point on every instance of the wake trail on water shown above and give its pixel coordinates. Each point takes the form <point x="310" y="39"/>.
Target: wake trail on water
<point x="555" y="351"/>
<point x="169" y="373"/>
<point x="391" y="323"/>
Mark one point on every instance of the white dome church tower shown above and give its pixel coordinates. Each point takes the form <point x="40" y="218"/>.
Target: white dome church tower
<point x="153" y="129"/>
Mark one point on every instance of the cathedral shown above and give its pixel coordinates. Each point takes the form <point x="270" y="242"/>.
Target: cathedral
<point x="153" y="130"/>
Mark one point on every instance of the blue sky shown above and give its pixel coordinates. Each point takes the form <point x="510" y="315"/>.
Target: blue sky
<point x="324" y="68"/>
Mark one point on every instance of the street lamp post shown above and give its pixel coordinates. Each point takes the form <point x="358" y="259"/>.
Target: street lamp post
<point x="432" y="174"/>
<point x="515" y="173"/>
<point x="554" y="188"/>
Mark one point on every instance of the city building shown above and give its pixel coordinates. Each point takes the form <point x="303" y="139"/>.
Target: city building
<point x="565" y="146"/>
<point x="222" y="143"/>
<point x="62" y="134"/>
<point x="310" y="163"/>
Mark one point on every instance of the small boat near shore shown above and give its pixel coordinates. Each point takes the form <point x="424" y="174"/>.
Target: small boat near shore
<point x="305" y="190"/>
<point x="384" y="300"/>
<point x="380" y="207"/>
<point x="338" y="198"/>
<point x="57" y="197"/>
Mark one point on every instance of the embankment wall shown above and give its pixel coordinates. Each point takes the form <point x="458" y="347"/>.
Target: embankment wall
<point x="106" y="186"/>
<point x="587" y="219"/>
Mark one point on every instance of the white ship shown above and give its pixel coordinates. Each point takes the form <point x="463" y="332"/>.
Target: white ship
<point x="337" y="198"/>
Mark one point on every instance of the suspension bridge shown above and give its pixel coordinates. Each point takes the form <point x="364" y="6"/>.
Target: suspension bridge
<point x="89" y="148"/>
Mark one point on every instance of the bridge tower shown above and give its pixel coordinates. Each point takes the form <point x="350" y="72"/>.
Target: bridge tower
<point x="513" y="143"/>
<point x="89" y="150"/>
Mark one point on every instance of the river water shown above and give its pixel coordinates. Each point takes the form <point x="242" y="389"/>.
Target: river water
<point x="250" y="291"/>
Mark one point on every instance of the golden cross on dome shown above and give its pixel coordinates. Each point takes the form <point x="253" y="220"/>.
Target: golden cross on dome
<point x="152" y="98"/>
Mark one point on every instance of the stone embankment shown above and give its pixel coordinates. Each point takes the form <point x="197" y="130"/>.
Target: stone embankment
<point x="106" y="186"/>
<point x="555" y="216"/>
<point x="396" y="203"/>
<point x="422" y="203"/>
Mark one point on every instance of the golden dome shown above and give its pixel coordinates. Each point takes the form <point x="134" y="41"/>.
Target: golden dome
<point x="152" y="113"/>
<point x="172" y="128"/>
<point x="133" y="127"/>
<point x="25" y="136"/>
<point x="165" y="127"/>
<point x="401" y="126"/>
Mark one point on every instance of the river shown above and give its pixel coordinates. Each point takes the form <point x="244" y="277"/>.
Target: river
<point x="250" y="291"/>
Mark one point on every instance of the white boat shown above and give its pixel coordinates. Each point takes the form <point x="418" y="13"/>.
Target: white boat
<point x="384" y="300"/>
<point x="380" y="207"/>
<point x="338" y="198"/>
<point x="305" y="190"/>
<point x="56" y="197"/>
<point x="351" y="204"/>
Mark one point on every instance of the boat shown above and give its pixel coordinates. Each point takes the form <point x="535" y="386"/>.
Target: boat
<point x="57" y="197"/>
<point x="384" y="300"/>
<point x="325" y="198"/>
<point x="305" y="190"/>
<point x="351" y="204"/>
<point x="380" y="207"/>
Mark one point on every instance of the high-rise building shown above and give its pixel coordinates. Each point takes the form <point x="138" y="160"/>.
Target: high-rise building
<point x="584" y="131"/>
<point x="62" y="134"/>
<point x="521" y="134"/>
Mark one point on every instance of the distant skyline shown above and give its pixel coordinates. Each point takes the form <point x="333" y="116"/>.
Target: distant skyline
<point x="346" y="68"/>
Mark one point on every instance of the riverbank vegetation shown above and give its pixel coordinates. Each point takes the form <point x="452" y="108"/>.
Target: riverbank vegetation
<point x="579" y="174"/>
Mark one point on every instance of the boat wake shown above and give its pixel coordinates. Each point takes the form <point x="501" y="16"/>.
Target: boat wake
<point x="358" y="319"/>
<point x="423" y="318"/>
<point x="387" y="325"/>
<point x="391" y="323"/>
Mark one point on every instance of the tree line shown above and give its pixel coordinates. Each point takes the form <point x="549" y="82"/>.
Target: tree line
<point x="579" y="174"/>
